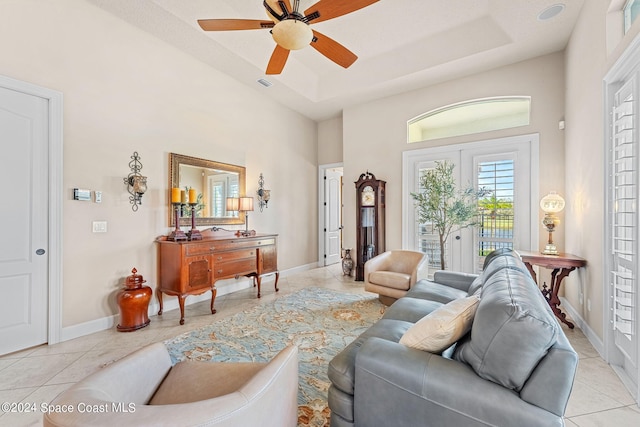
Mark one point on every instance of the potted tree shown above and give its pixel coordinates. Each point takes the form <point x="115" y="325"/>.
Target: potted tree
<point x="443" y="205"/>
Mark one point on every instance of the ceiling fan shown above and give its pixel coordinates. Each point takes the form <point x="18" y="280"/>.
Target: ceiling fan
<point x="291" y="31"/>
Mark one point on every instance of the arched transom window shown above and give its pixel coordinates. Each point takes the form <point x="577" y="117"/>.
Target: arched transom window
<point x="469" y="117"/>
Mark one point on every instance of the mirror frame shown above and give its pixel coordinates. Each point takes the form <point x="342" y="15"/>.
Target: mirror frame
<point x="175" y="160"/>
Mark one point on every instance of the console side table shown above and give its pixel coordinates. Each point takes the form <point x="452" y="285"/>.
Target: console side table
<point x="561" y="265"/>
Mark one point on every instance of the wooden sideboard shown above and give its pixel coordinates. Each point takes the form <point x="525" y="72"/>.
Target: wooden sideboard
<point x="193" y="267"/>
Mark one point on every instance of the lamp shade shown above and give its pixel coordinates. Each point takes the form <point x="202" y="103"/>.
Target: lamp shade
<point x="246" y="204"/>
<point x="552" y="203"/>
<point x="232" y="204"/>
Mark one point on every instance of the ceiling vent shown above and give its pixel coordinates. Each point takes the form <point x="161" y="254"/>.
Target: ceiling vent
<point x="265" y="82"/>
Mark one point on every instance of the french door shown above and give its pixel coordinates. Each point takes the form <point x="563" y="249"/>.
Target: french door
<point x="623" y="233"/>
<point x="621" y="296"/>
<point x="503" y="166"/>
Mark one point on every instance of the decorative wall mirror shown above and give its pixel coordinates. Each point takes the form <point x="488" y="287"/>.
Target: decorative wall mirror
<point x="213" y="182"/>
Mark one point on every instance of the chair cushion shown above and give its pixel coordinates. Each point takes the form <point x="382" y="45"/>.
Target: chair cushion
<point x="443" y="327"/>
<point x="183" y="383"/>
<point x="512" y="331"/>
<point x="391" y="279"/>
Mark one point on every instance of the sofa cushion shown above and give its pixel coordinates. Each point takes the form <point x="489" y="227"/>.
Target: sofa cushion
<point x="432" y="291"/>
<point x="391" y="279"/>
<point x="410" y="309"/>
<point x="513" y="329"/>
<point x="443" y="327"/>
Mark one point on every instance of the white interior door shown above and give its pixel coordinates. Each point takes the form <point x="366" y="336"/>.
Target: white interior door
<point x="333" y="215"/>
<point x="24" y="211"/>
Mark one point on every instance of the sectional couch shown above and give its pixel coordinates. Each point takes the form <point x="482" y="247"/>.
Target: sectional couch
<point x="461" y="350"/>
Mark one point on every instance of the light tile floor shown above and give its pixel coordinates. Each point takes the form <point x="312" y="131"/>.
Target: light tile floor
<point x="39" y="374"/>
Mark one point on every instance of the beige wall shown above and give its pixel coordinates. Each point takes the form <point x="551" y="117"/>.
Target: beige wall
<point x="330" y="141"/>
<point x="587" y="62"/>
<point x="127" y="91"/>
<point x="375" y="133"/>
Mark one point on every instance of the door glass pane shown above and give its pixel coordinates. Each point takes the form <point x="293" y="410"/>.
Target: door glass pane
<point x="496" y="222"/>
<point x="631" y="11"/>
<point x="427" y="236"/>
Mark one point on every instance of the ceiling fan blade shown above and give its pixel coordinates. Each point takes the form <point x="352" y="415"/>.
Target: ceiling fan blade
<point x="333" y="50"/>
<point x="329" y="9"/>
<point x="278" y="59"/>
<point x="233" y="24"/>
<point x="278" y="12"/>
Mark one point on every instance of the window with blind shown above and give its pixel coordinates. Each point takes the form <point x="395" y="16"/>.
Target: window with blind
<point x="624" y="194"/>
<point x="496" y="222"/>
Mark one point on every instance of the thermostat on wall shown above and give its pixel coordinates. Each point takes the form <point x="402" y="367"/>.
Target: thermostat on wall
<point x="79" y="194"/>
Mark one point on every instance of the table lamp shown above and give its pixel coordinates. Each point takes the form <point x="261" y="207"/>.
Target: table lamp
<point x="551" y="204"/>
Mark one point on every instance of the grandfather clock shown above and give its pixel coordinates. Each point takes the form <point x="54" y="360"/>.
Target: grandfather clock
<point x="369" y="220"/>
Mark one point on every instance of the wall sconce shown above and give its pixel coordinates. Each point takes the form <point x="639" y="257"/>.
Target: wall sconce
<point x="263" y="195"/>
<point x="551" y="204"/>
<point x="136" y="183"/>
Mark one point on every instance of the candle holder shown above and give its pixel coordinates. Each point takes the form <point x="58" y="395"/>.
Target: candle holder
<point x="194" y="233"/>
<point x="177" y="234"/>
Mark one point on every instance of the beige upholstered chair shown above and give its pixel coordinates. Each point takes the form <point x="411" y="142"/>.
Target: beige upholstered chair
<point x="391" y="274"/>
<point x="143" y="389"/>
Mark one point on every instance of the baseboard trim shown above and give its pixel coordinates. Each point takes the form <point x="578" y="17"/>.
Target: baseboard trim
<point x="171" y="303"/>
<point x="593" y="338"/>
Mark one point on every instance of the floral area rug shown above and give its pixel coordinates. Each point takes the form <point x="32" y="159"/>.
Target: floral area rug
<point x="321" y="322"/>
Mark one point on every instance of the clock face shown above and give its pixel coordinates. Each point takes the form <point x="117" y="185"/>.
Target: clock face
<point x="368" y="196"/>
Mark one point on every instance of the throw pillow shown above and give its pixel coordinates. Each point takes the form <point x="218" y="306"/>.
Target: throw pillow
<point x="444" y="326"/>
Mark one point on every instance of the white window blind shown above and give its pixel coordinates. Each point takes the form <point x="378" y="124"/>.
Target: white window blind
<point x="624" y="225"/>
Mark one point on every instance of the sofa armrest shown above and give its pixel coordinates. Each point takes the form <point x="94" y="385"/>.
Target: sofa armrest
<point x="398" y="385"/>
<point x="454" y="279"/>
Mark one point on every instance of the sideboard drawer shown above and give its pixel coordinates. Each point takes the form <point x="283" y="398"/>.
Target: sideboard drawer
<point x="244" y="243"/>
<point x="234" y="268"/>
<point x="199" y="249"/>
<point x="234" y="255"/>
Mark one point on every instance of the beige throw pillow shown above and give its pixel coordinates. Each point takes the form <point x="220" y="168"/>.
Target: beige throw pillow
<point x="439" y="329"/>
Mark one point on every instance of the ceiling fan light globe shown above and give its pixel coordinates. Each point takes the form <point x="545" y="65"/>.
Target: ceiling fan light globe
<point x="292" y="34"/>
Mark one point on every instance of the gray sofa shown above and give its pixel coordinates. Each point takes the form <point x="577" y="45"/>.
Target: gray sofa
<point x="514" y="368"/>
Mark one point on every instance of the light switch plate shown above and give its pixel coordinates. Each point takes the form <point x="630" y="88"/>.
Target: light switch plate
<point x="99" y="226"/>
<point x="98" y="196"/>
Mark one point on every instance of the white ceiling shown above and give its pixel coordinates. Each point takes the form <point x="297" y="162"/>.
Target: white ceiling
<point x="401" y="44"/>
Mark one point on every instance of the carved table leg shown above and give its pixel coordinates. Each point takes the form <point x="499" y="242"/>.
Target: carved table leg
<point x="551" y="295"/>
<point x="214" y="292"/>
<point x="181" y="299"/>
<point x="159" y="295"/>
<point x="531" y="271"/>
<point x="554" y="300"/>
<point x="259" y="281"/>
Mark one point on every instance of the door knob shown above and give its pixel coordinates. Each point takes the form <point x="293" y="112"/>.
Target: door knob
<point x="40" y="252"/>
<point x="458" y="237"/>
